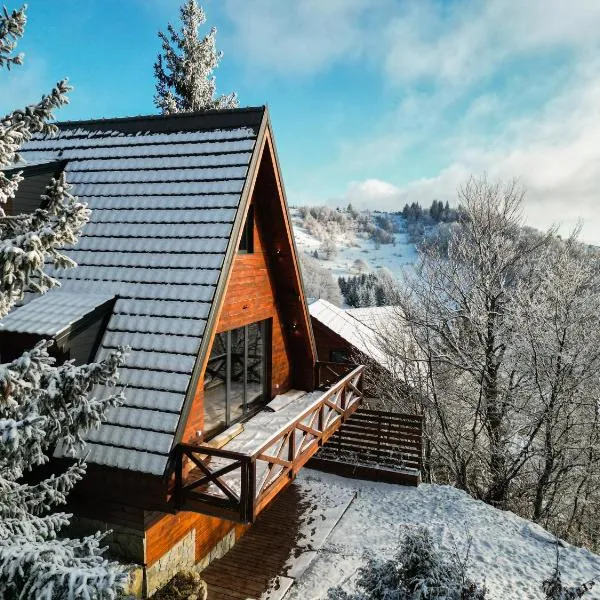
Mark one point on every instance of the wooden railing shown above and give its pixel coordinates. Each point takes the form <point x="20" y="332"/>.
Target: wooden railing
<point x="327" y="372"/>
<point x="237" y="486"/>
<point x="374" y="444"/>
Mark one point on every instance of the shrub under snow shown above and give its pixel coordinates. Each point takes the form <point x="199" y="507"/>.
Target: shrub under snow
<point x="418" y="571"/>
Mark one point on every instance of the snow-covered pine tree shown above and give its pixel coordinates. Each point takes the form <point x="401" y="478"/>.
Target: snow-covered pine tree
<point x="43" y="405"/>
<point x="418" y="570"/>
<point x="184" y="69"/>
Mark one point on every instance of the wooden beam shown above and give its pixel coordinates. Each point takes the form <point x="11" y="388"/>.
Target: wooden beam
<point x="274" y="460"/>
<point x="310" y="430"/>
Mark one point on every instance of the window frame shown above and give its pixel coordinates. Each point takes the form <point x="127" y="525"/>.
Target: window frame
<point x="246" y="245"/>
<point x="266" y="333"/>
<point x="336" y="359"/>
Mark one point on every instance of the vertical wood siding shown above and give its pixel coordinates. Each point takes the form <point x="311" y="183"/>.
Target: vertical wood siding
<point x="262" y="285"/>
<point x="250" y="297"/>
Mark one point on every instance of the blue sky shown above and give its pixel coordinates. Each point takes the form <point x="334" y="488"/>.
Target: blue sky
<point x="375" y="102"/>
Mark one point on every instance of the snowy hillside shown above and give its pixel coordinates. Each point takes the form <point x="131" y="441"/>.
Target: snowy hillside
<point x="352" y="245"/>
<point x="350" y="517"/>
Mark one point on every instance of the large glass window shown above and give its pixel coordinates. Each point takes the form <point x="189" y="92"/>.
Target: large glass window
<point x="236" y="378"/>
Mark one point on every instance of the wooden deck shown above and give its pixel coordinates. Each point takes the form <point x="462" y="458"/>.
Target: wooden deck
<point x="257" y="563"/>
<point x="377" y="446"/>
<point x="236" y="482"/>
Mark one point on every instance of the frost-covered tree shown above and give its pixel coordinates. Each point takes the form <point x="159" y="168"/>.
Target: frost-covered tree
<point x="27" y="240"/>
<point x="367" y="289"/>
<point x="497" y="331"/>
<point x="459" y="308"/>
<point x="43" y="405"/>
<point x="184" y="79"/>
<point x="328" y="248"/>
<point x="560" y="323"/>
<point x="318" y="281"/>
<point x="360" y="265"/>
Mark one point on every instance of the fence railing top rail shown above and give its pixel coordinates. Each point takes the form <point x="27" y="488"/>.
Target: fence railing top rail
<point x="404" y="416"/>
<point x="318" y="401"/>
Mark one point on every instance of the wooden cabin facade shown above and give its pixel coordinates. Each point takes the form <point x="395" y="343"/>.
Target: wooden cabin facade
<point x="351" y="336"/>
<point x="189" y="259"/>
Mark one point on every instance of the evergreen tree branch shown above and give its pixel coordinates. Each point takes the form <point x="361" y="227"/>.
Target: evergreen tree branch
<point x="12" y="27"/>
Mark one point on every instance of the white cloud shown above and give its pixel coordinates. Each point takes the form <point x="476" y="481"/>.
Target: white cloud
<point x="442" y="62"/>
<point x="555" y="153"/>
<point x="373" y="193"/>
<point x="461" y="44"/>
<point x="300" y="37"/>
<point x="543" y="126"/>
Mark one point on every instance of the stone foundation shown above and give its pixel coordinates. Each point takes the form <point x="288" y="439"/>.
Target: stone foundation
<point x="128" y="546"/>
<point x="220" y="550"/>
<point x="181" y="556"/>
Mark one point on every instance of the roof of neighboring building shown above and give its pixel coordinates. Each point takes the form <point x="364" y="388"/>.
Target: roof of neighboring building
<point x="356" y="328"/>
<point x="375" y="317"/>
<point x="165" y="194"/>
<point x="53" y="313"/>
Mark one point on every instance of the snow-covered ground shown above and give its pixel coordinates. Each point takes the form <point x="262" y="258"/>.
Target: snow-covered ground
<point x="350" y="517"/>
<point x="352" y="247"/>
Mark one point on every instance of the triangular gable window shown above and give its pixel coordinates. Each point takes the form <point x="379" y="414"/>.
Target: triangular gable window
<point x="247" y="240"/>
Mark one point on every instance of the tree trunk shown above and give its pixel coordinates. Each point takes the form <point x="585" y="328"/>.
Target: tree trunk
<point x="544" y="478"/>
<point x="497" y="492"/>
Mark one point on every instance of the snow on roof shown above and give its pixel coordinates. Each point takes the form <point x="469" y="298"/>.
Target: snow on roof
<point x="349" y="327"/>
<point x="53" y="313"/>
<point x="164" y="193"/>
<point x="23" y="164"/>
<point x="374" y="317"/>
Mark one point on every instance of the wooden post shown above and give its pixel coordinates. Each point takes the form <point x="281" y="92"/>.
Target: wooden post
<point x="178" y="476"/>
<point x="228" y="379"/>
<point x="248" y="491"/>
<point x="292" y="451"/>
<point x="317" y="375"/>
<point x="379" y="437"/>
<point x="252" y="488"/>
<point x="321" y="419"/>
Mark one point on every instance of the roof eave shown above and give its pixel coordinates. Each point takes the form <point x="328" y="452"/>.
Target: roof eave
<point x="210" y="119"/>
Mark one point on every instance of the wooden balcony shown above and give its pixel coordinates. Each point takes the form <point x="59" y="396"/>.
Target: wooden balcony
<point x="238" y="480"/>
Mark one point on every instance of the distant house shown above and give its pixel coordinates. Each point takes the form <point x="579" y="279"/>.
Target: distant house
<point x="353" y="336"/>
<point x="343" y="334"/>
<point x="189" y="259"/>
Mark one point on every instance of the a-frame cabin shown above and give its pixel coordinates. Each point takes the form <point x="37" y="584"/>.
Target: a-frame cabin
<point x="189" y="259"/>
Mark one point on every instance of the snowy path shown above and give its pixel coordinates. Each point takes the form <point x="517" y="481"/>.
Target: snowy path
<point x="511" y="554"/>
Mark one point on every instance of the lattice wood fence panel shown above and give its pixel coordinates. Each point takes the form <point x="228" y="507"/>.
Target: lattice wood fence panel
<point x="373" y="443"/>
